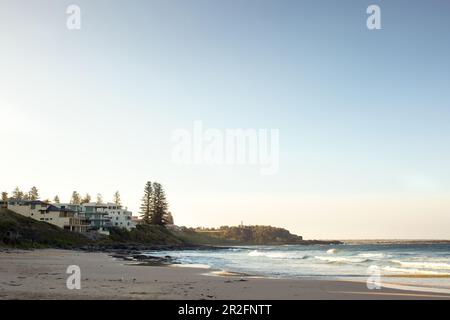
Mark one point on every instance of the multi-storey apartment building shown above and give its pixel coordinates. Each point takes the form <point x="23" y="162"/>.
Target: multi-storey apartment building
<point x="120" y="217"/>
<point x="103" y="216"/>
<point x="38" y="210"/>
<point x="93" y="212"/>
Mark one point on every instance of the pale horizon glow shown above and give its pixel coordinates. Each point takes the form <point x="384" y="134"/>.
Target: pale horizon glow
<point x="363" y="115"/>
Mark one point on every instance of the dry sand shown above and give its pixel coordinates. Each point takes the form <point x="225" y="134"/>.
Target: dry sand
<point x="41" y="274"/>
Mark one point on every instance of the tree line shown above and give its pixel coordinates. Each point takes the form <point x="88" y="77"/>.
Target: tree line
<point x="33" y="195"/>
<point x="252" y="234"/>
<point x="154" y="207"/>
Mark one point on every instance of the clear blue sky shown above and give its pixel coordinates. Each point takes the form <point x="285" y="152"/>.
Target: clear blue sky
<point x="363" y="115"/>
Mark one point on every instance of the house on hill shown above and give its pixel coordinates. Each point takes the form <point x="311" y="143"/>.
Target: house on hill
<point x="42" y="211"/>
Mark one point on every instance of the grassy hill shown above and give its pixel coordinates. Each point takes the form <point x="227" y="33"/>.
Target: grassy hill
<point x="22" y="232"/>
<point x="251" y="235"/>
<point x="144" y="234"/>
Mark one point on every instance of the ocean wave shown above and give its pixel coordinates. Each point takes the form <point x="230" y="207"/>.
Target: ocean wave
<point x="276" y="255"/>
<point x="332" y="251"/>
<point x="413" y="271"/>
<point x="342" y="259"/>
<point x="191" y="265"/>
<point x="423" y="265"/>
<point x="372" y="255"/>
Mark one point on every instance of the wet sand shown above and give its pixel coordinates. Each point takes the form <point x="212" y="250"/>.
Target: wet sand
<point x="41" y="274"/>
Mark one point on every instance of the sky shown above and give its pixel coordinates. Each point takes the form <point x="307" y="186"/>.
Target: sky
<point x="363" y="115"/>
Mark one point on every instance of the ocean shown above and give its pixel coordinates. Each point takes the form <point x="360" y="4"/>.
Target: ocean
<point x="425" y="267"/>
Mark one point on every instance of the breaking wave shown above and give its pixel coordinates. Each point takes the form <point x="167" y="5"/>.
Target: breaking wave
<point x="342" y="259"/>
<point x="276" y="255"/>
<point x="413" y="271"/>
<point x="423" y="265"/>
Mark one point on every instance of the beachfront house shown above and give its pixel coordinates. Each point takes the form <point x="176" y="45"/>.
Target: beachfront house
<point x="120" y="217"/>
<point x="42" y="211"/>
<point x="92" y="212"/>
<point x="102" y="216"/>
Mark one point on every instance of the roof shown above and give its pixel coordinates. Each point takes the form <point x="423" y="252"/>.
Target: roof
<point x="27" y="201"/>
<point x="52" y="208"/>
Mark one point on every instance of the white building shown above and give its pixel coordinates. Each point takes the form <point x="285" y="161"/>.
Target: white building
<point x="103" y="216"/>
<point x="38" y="210"/>
<point x="119" y="216"/>
<point x="92" y="212"/>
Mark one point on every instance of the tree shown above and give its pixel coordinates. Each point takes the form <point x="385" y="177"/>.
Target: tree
<point x="168" y="218"/>
<point x="117" y="198"/>
<point x="17" y="194"/>
<point x="76" y="199"/>
<point x="99" y="198"/>
<point x="86" y="199"/>
<point x="56" y="199"/>
<point x="33" y="194"/>
<point x="147" y="202"/>
<point x="160" y="205"/>
<point x="5" y="198"/>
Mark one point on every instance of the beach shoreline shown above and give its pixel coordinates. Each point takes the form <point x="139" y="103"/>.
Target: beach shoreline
<point x="41" y="274"/>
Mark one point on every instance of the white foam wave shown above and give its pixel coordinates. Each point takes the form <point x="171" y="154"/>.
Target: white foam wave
<point x="192" y="265"/>
<point x="372" y="255"/>
<point x="332" y="251"/>
<point x="414" y="271"/>
<point x="276" y="255"/>
<point x="342" y="259"/>
<point x="423" y="265"/>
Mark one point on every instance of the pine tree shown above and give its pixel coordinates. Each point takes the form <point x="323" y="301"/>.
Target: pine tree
<point x="5" y="198"/>
<point x="117" y="198"/>
<point x="160" y="205"/>
<point x="99" y="198"/>
<point x="147" y="204"/>
<point x="168" y="218"/>
<point x="76" y="199"/>
<point x="33" y="194"/>
<point x="56" y="199"/>
<point x="17" y="194"/>
<point x="86" y="199"/>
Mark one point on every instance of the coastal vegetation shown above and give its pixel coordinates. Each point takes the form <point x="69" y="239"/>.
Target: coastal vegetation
<point x="23" y="232"/>
<point x="252" y="234"/>
<point x="156" y="227"/>
<point x="154" y="207"/>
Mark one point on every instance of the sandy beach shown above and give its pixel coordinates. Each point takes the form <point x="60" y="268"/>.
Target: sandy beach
<point x="41" y="274"/>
